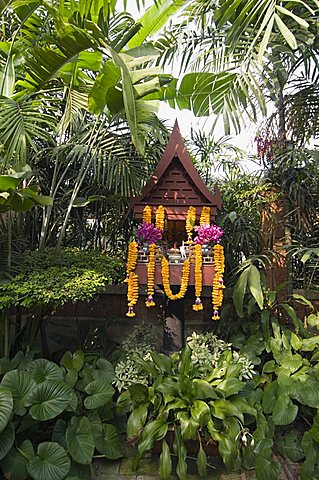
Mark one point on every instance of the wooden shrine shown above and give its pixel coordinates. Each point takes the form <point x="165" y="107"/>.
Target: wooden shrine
<point x="176" y="185"/>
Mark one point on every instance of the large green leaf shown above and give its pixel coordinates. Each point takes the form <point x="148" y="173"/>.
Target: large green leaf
<point x="181" y="452"/>
<point x="58" y="433"/>
<point x="100" y="392"/>
<point x="239" y="292"/>
<point x="154" y="430"/>
<point x="284" y="411"/>
<point x="163" y="362"/>
<point x="43" y="369"/>
<point x="73" y="360"/>
<point x="6" y="439"/>
<point x="202" y="462"/>
<point x="107" y="368"/>
<point x="46" y="62"/>
<point x="266" y="468"/>
<point x="223" y="408"/>
<point x="200" y="412"/>
<point x="203" y="389"/>
<point x="230" y="386"/>
<point x="48" y="399"/>
<point x="255" y="285"/>
<point x="6" y="407"/>
<point x="290" y="446"/>
<point x="79" y="440"/>
<point x="50" y="463"/>
<point x="136" y="421"/>
<point x="165" y="468"/>
<point x="107" y="441"/>
<point x="8" y="182"/>
<point x="155" y="18"/>
<point x="189" y="426"/>
<point x="15" y="464"/>
<point x="19" y="383"/>
<point x="104" y="82"/>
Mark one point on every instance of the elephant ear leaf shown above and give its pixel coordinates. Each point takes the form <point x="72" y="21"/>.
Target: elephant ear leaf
<point x="79" y="440"/>
<point x="107" y="442"/>
<point x="19" y="383"/>
<point x="73" y="360"/>
<point x="6" y="440"/>
<point x="43" y="369"/>
<point x="6" y="407"/>
<point x="100" y="392"/>
<point x="14" y="465"/>
<point x="49" y="399"/>
<point x="50" y="462"/>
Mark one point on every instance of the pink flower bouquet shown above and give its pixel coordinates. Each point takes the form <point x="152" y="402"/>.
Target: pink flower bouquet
<point x="207" y="234"/>
<point x="148" y="233"/>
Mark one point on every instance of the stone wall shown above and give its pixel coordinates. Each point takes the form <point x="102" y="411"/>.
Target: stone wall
<point x="103" y="320"/>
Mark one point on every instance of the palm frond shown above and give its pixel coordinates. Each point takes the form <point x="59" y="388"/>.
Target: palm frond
<point x="21" y="122"/>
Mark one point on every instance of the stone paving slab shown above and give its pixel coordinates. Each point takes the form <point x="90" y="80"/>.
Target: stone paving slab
<point x="149" y="470"/>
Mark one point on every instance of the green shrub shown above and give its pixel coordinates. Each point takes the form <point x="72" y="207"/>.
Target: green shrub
<point x="53" y="417"/>
<point x="55" y="277"/>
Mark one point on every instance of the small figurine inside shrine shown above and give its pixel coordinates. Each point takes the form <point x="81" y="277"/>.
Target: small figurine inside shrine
<point x="177" y="242"/>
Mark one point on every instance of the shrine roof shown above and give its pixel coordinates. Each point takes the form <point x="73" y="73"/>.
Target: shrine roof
<point x="176" y="181"/>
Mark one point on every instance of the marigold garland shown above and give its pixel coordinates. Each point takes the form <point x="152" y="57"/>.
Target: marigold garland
<point x="218" y="283"/>
<point x="184" y="281"/>
<point x="151" y="276"/>
<point x="190" y="222"/>
<point x="160" y="217"/>
<point x="132" y="293"/>
<point x="147" y="214"/>
<point x="198" y="277"/>
<point x="132" y="255"/>
<point x="205" y="216"/>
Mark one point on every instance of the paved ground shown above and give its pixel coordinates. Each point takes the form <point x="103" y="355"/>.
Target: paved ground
<point x="149" y="470"/>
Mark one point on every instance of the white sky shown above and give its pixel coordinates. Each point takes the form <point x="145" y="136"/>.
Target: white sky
<point x="185" y="118"/>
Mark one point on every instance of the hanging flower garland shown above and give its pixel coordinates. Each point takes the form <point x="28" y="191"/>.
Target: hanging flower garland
<point x="160" y="217"/>
<point x="132" y="293"/>
<point x="205" y="216"/>
<point x="184" y="281"/>
<point x="190" y="223"/>
<point x="198" y="277"/>
<point x="151" y="276"/>
<point x="132" y="255"/>
<point x="147" y="214"/>
<point x="218" y="283"/>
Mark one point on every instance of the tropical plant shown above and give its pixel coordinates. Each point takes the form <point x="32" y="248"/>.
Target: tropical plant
<point x="195" y="401"/>
<point x="238" y="54"/>
<point x="49" y="279"/>
<point x="287" y="413"/>
<point x="127" y="372"/>
<point x="54" y="417"/>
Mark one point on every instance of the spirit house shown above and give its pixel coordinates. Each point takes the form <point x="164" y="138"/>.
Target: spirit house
<point x="177" y="243"/>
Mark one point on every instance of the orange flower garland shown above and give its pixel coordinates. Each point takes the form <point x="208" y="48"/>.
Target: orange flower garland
<point x="151" y="276"/>
<point x="190" y="223"/>
<point x="218" y="284"/>
<point x="198" y="277"/>
<point x="205" y="216"/>
<point x="147" y="214"/>
<point x="132" y="293"/>
<point x="160" y="217"/>
<point x="132" y="255"/>
<point x="184" y="281"/>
